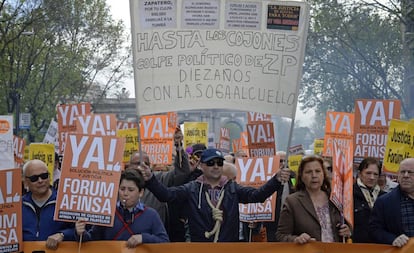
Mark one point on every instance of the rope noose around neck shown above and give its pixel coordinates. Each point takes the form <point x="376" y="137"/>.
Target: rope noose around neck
<point x="217" y="216"/>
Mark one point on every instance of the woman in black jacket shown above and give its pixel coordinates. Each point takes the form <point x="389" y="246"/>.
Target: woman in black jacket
<point x="366" y="192"/>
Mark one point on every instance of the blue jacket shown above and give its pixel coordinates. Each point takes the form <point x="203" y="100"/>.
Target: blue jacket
<point x="39" y="226"/>
<point x="385" y="221"/>
<point x="200" y="219"/>
<point x="144" y="221"/>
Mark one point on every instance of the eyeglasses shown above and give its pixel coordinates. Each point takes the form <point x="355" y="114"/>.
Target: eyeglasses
<point x="34" y="178"/>
<point x="212" y="162"/>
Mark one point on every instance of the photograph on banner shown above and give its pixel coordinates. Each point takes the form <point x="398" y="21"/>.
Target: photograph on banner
<point x="400" y="145"/>
<point x="11" y="235"/>
<point x="224" y="140"/>
<point x="67" y="115"/>
<point x="46" y="153"/>
<point x="372" y="119"/>
<point x="338" y="128"/>
<point x="318" y="146"/>
<point x="195" y="132"/>
<point x="342" y="181"/>
<point x="18" y="147"/>
<point x="254" y="172"/>
<point x="96" y="124"/>
<point x="131" y="142"/>
<point x="212" y="62"/>
<point x="254" y="117"/>
<point x="120" y="125"/>
<point x="89" y="182"/>
<point x="6" y="142"/>
<point x="51" y="135"/>
<point x="157" y="138"/>
<point x="261" y="139"/>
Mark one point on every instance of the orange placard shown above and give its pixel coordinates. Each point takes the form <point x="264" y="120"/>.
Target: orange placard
<point x="342" y="182"/>
<point x="11" y="236"/>
<point x="125" y="125"/>
<point x="66" y="116"/>
<point x="254" y="117"/>
<point x="157" y="138"/>
<point x="261" y="139"/>
<point x="254" y="172"/>
<point x="339" y="128"/>
<point x="18" y="146"/>
<point x="91" y="170"/>
<point x="240" y="247"/>
<point x="224" y="140"/>
<point x="96" y="124"/>
<point x="372" y="119"/>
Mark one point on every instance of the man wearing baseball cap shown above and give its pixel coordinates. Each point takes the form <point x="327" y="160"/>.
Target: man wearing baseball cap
<point x="212" y="200"/>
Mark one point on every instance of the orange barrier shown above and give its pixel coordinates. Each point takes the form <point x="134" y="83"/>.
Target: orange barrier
<point x="314" y="247"/>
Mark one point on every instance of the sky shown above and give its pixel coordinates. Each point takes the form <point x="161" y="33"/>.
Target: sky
<point x="120" y="11"/>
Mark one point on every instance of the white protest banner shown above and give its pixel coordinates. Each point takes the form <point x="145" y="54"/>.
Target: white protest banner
<point x="88" y="187"/>
<point x="6" y="142"/>
<point x="203" y="54"/>
<point x="51" y="135"/>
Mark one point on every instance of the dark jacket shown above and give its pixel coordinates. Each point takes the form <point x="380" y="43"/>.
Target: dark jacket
<point x="144" y="221"/>
<point x="38" y="223"/>
<point x="385" y="223"/>
<point x="179" y="175"/>
<point x="362" y="213"/>
<point x="193" y="196"/>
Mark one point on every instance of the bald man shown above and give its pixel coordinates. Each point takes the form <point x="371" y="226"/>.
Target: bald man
<point x="39" y="208"/>
<point x="392" y="218"/>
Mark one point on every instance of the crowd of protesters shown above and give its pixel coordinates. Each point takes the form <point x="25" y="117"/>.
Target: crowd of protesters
<point x="197" y="200"/>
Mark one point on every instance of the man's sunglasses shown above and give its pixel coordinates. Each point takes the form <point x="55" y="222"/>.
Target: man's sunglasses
<point x="212" y="162"/>
<point x="34" y="178"/>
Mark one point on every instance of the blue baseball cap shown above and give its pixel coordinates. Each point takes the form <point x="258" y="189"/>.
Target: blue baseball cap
<point x="210" y="154"/>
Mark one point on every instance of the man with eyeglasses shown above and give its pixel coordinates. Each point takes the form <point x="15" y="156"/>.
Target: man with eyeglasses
<point x="392" y="218"/>
<point x="39" y="207"/>
<point x="212" y="200"/>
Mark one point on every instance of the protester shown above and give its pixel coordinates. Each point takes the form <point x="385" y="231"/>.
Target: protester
<point x="282" y="193"/>
<point x="366" y="191"/>
<point x="39" y="207"/>
<point x="177" y="176"/>
<point x="308" y="214"/>
<point x="392" y="218"/>
<point x="134" y="222"/>
<point x="385" y="182"/>
<point x="212" y="199"/>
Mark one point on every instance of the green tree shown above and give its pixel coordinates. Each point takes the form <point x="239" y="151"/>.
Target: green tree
<point x="55" y="52"/>
<point x="353" y="51"/>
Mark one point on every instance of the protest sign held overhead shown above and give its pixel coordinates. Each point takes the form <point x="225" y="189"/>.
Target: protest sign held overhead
<point x="131" y="141"/>
<point x="96" y="124"/>
<point x="195" y="132"/>
<point x="6" y="142"/>
<point x="157" y="138"/>
<point x="203" y="54"/>
<point x="261" y="139"/>
<point x="67" y="115"/>
<point x="338" y="129"/>
<point x="254" y="172"/>
<point x="18" y="146"/>
<point x="372" y="119"/>
<point x="400" y="144"/>
<point x="46" y="153"/>
<point x="11" y="236"/>
<point x="90" y="176"/>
